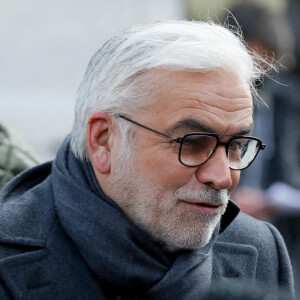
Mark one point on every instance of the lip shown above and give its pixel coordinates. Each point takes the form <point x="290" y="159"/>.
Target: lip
<point x="204" y="207"/>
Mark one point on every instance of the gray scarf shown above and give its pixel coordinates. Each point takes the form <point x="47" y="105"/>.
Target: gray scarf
<point x="125" y="260"/>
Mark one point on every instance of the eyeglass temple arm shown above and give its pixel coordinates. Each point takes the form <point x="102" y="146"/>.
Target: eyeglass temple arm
<point x="148" y="128"/>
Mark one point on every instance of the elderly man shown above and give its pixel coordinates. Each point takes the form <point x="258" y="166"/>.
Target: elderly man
<point x="136" y="204"/>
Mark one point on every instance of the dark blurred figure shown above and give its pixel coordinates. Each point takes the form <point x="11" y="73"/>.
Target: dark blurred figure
<point x="271" y="187"/>
<point x="293" y="14"/>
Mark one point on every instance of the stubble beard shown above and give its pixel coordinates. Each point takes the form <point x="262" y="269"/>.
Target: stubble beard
<point x="161" y="213"/>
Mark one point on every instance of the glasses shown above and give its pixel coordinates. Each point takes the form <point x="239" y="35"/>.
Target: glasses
<point x="196" y="148"/>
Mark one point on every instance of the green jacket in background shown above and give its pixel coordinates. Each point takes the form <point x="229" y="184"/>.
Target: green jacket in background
<point x="15" y="155"/>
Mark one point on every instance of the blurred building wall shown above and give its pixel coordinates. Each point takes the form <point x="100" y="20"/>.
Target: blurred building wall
<point x="45" y="47"/>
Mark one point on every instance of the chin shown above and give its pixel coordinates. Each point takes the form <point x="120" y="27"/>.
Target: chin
<point x="182" y="237"/>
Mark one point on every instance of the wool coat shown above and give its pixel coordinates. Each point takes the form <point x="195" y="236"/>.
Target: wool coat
<point x="62" y="238"/>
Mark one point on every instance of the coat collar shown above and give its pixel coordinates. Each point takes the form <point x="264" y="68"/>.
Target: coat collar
<point x="27" y="275"/>
<point x="230" y="214"/>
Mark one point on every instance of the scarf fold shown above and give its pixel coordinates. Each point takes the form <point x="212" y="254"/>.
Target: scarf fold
<point x="124" y="259"/>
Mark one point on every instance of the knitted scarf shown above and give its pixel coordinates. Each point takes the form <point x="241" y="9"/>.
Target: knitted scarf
<point x="127" y="263"/>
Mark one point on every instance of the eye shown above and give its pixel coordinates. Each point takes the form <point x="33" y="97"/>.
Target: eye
<point x="239" y="145"/>
<point x="195" y="144"/>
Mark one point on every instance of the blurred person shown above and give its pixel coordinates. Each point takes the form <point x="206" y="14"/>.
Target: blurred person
<point x="136" y="204"/>
<point x="270" y="35"/>
<point x="289" y="105"/>
<point x="293" y="14"/>
<point x="15" y="155"/>
<point x="270" y="190"/>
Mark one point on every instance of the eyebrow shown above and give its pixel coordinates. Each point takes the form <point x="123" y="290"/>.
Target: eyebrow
<point x="192" y="125"/>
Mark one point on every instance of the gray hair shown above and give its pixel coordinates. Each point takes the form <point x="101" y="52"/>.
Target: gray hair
<point x="115" y="78"/>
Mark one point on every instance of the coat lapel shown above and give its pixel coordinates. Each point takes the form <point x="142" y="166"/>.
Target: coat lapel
<point x="26" y="275"/>
<point x="234" y="261"/>
<point x="38" y="274"/>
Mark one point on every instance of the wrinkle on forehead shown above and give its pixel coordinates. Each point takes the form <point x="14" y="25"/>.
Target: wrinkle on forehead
<point x="218" y="98"/>
<point x="225" y="97"/>
<point x="225" y="105"/>
<point x="193" y="125"/>
<point x="239" y="112"/>
<point x="241" y="125"/>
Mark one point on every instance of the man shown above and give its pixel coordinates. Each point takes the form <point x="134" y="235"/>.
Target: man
<point x="136" y="204"/>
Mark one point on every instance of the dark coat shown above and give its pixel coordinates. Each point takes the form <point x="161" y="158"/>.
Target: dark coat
<point x="38" y="259"/>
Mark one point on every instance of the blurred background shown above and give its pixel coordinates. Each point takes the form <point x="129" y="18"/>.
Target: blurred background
<point x="46" y="46"/>
<point x="45" y="49"/>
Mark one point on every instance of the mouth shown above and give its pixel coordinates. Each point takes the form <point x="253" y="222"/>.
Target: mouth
<point x="207" y="205"/>
<point x="204" y="207"/>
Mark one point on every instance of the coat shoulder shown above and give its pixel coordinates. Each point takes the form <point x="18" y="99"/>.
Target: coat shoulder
<point x="27" y="217"/>
<point x="250" y="231"/>
<point x="273" y="263"/>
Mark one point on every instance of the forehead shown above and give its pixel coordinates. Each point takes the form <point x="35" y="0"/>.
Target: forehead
<point x="219" y="100"/>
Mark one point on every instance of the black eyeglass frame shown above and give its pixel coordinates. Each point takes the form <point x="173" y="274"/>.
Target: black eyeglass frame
<point x="215" y="135"/>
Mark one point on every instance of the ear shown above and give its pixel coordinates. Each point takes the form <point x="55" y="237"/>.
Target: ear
<point x="98" y="134"/>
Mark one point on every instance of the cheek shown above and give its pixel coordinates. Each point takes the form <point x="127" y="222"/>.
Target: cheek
<point x="164" y="171"/>
<point x="235" y="177"/>
<point x="173" y="175"/>
<point x="158" y="164"/>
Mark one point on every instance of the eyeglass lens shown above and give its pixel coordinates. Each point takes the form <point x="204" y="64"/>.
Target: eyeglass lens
<point x="196" y="149"/>
<point x="242" y="152"/>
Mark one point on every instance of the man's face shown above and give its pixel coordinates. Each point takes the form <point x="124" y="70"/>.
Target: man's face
<point x="180" y="206"/>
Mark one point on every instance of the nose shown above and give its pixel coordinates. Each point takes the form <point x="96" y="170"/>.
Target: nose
<point x="215" y="172"/>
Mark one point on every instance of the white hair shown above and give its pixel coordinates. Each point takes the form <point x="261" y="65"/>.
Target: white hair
<point x="115" y="78"/>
